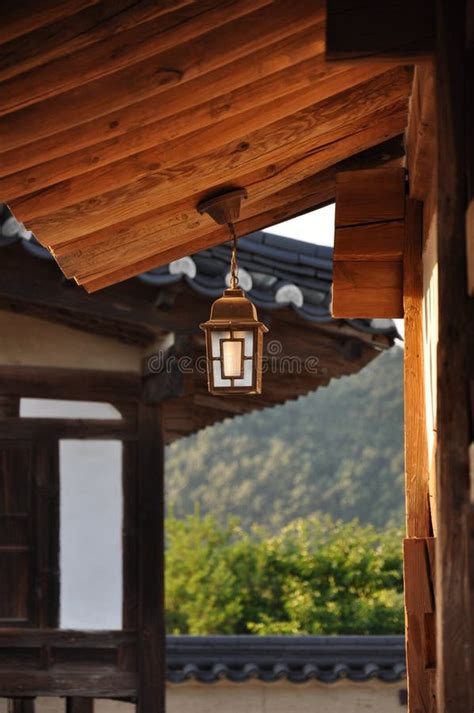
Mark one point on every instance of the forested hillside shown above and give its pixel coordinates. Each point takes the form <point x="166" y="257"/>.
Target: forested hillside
<point x="337" y="451"/>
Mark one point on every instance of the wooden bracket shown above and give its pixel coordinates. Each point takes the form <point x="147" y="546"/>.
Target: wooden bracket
<point x="369" y="244"/>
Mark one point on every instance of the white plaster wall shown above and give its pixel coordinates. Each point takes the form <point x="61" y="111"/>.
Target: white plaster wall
<point x="257" y="697"/>
<point x="27" y="341"/>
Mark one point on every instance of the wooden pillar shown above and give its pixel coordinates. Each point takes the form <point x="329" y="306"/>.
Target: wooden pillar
<point x="419" y="546"/>
<point x="455" y="365"/>
<point x="151" y="622"/>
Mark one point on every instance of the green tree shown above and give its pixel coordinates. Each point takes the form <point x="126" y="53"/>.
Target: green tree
<point x="317" y="576"/>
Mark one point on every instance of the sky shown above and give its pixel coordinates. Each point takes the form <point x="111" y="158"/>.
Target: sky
<point x="315" y="227"/>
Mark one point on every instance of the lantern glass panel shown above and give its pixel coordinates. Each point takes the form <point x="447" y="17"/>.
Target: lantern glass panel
<point x="232" y="357"/>
<point x="247" y="336"/>
<point x="219" y="381"/>
<point x="216" y="336"/>
<point x="246" y="379"/>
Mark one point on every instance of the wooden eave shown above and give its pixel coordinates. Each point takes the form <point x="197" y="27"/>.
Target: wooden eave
<point x="116" y="118"/>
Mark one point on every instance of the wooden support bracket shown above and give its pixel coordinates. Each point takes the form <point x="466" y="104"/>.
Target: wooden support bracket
<point x="369" y="244"/>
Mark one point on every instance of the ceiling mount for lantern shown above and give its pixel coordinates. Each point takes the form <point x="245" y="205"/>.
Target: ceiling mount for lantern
<point x="224" y="208"/>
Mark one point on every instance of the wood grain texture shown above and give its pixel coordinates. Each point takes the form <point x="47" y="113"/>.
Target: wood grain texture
<point x="455" y="358"/>
<point x="110" y="136"/>
<point x="92" y="24"/>
<point x="421" y="132"/>
<point x="375" y="241"/>
<point x="177" y="65"/>
<point x="370" y="196"/>
<point x="119" y="51"/>
<point x="418" y="521"/>
<point x="151" y="612"/>
<point x="367" y="290"/>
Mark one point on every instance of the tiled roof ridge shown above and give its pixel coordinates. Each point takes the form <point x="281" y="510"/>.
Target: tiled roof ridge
<point x="296" y="659"/>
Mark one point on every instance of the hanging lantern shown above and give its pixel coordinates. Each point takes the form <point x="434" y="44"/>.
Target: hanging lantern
<point x="234" y="336"/>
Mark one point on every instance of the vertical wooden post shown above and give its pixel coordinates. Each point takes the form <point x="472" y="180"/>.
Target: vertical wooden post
<point x="418" y="522"/>
<point x="151" y="622"/>
<point x="419" y="599"/>
<point x="455" y="359"/>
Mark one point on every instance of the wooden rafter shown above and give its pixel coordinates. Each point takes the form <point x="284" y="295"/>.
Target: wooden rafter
<point x="110" y="137"/>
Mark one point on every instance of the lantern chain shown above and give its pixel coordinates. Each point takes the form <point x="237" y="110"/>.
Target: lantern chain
<point x="234" y="278"/>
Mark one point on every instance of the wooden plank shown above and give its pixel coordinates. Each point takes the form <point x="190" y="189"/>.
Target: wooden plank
<point x="151" y="617"/>
<point x="402" y="30"/>
<point x="455" y="357"/>
<point x="56" y="383"/>
<point x="266" y="189"/>
<point x="418" y="521"/>
<point x="367" y="290"/>
<point x="119" y="684"/>
<point x="42" y="428"/>
<point x="382" y="124"/>
<point x="20" y="18"/>
<point x="93" y="24"/>
<point x="419" y="606"/>
<point x="210" y="89"/>
<point x="177" y="65"/>
<point x="161" y="175"/>
<point x="370" y="196"/>
<point x="375" y="241"/>
<point x="306" y="131"/>
<point x="64" y="638"/>
<point x="421" y="132"/>
<point x="297" y="87"/>
<point x="118" y="51"/>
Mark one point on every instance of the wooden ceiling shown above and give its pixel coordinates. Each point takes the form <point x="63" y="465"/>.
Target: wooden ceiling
<point x="118" y="116"/>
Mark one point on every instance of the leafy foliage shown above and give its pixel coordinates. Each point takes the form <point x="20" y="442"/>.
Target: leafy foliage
<point x="317" y="576"/>
<point x="338" y="450"/>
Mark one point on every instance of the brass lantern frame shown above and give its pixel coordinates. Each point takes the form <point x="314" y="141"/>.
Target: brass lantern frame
<point x="233" y="313"/>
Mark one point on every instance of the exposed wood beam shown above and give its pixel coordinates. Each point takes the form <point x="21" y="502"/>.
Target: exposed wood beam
<point x="44" y="428"/>
<point x="119" y="51"/>
<point x="421" y="132"/>
<point x="284" y="209"/>
<point x="312" y="130"/>
<point x="401" y="31"/>
<point x="215" y="155"/>
<point x="20" y="18"/>
<point x="176" y="135"/>
<point x="211" y="88"/>
<point x="93" y="24"/>
<point x="55" y="383"/>
<point x="156" y="74"/>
